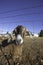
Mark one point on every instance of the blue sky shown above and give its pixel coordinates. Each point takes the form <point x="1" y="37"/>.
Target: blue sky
<point x="28" y="13"/>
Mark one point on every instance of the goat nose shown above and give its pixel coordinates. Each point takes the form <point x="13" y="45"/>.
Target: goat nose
<point x="19" y="40"/>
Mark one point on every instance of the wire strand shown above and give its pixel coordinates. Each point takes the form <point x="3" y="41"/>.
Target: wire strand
<point x="21" y="9"/>
<point x="21" y="15"/>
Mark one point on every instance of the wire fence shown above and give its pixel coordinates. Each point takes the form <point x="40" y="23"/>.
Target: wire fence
<point x="2" y="24"/>
<point x="10" y="11"/>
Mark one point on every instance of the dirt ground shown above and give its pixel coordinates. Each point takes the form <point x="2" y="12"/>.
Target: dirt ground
<point x="29" y="53"/>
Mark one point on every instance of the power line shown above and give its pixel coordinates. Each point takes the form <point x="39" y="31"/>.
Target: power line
<point x="21" y="9"/>
<point x="22" y="15"/>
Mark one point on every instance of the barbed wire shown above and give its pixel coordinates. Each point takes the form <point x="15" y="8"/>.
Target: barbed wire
<point x="11" y="22"/>
<point x="21" y="15"/>
<point x="9" y="11"/>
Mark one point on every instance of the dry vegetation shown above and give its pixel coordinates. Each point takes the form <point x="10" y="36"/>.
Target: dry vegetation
<point x="30" y="53"/>
<point x="33" y="51"/>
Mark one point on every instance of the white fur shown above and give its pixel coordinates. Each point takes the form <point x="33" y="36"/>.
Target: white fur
<point x="19" y="38"/>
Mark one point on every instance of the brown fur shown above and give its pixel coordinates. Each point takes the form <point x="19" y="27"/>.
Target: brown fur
<point x="20" y="30"/>
<point x="12" y="50"/>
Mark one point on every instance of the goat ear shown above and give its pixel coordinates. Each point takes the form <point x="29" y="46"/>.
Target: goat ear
<point x="15" y="31"/>
<point x="24" y="32"/>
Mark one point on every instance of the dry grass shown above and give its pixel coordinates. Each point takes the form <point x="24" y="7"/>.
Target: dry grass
<point x="30" y="53"/>
<point x="33" y="51"/>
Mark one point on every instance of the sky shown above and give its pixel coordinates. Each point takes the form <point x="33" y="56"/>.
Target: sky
<point x="28" y="13"/>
